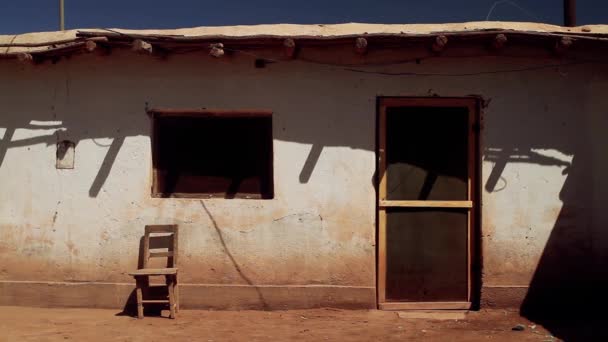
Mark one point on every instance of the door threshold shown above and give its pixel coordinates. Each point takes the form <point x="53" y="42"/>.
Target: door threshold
<point x="439" y="315"/>
<point x="424" y="306"/>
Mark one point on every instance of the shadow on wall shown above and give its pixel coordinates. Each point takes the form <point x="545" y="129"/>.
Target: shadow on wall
<point x="568" y="291"/>
<point x="95" y="116"/>
<point x="114" y="147"/>
<point x="8" y="142"/>
<point x="570" y="279"/>
<point x="235" y="264"/>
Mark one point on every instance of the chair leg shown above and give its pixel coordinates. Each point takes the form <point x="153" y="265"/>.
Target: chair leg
<point x="171" y="288"/>
<point x="176" y="292"/>
<point x="138" y="290"/>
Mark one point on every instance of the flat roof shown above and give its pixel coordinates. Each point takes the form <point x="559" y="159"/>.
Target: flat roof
<point x="46" y="42"/>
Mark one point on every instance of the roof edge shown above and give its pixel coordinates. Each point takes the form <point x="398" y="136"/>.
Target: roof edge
<point x="65" y="42"/>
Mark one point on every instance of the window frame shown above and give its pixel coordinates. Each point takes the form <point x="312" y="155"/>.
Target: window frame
<point x="156" y="113"/>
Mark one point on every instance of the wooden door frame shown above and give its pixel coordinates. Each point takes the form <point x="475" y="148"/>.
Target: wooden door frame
<point x="472" y="203"/>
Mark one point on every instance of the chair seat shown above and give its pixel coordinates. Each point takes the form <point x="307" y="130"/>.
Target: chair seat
<point x="154" y="271"/>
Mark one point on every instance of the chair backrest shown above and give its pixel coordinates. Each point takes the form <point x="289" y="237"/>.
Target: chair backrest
<point x="165" y="236"/>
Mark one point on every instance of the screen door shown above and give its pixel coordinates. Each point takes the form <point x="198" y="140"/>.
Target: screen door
<point x="427" y="158"/>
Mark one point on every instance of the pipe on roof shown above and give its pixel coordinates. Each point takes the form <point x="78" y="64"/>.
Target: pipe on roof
<point x="570" y="13"/>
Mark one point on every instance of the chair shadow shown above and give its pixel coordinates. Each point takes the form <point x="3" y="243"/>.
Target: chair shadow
<point x="150" y="310"/>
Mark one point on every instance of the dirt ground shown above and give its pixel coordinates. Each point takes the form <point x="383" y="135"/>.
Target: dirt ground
<point x="38" y="324"/>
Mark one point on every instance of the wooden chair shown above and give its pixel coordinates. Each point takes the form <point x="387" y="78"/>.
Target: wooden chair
<point x="142" y="275"/>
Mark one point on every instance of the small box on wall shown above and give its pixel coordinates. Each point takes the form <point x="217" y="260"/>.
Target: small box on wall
<point x="65" y="154"/>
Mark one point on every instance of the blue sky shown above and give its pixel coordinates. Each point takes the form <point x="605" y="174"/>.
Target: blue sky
<point x="18" y="16"/>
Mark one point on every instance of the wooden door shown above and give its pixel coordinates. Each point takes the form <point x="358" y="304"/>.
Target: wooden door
<point x="426" y="202"/>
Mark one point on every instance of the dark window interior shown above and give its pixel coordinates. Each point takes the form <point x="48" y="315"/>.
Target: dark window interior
<point x="226" y="157"/>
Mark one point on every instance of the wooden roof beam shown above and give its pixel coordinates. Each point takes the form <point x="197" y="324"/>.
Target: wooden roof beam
<point x="216" y="50"/>
<point x="25" y="58"/>
<point x="562" y="45"/>
<point x="361" y="45"/>
<point x="499" y="42"/>
<point x="97" y="45"/>
<point x="439" y="43"/>
<point x="141" y="46"/>
<point x="290" y="48"/>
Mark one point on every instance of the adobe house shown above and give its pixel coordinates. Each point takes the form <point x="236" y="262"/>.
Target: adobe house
<point x="448" y="166"/>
